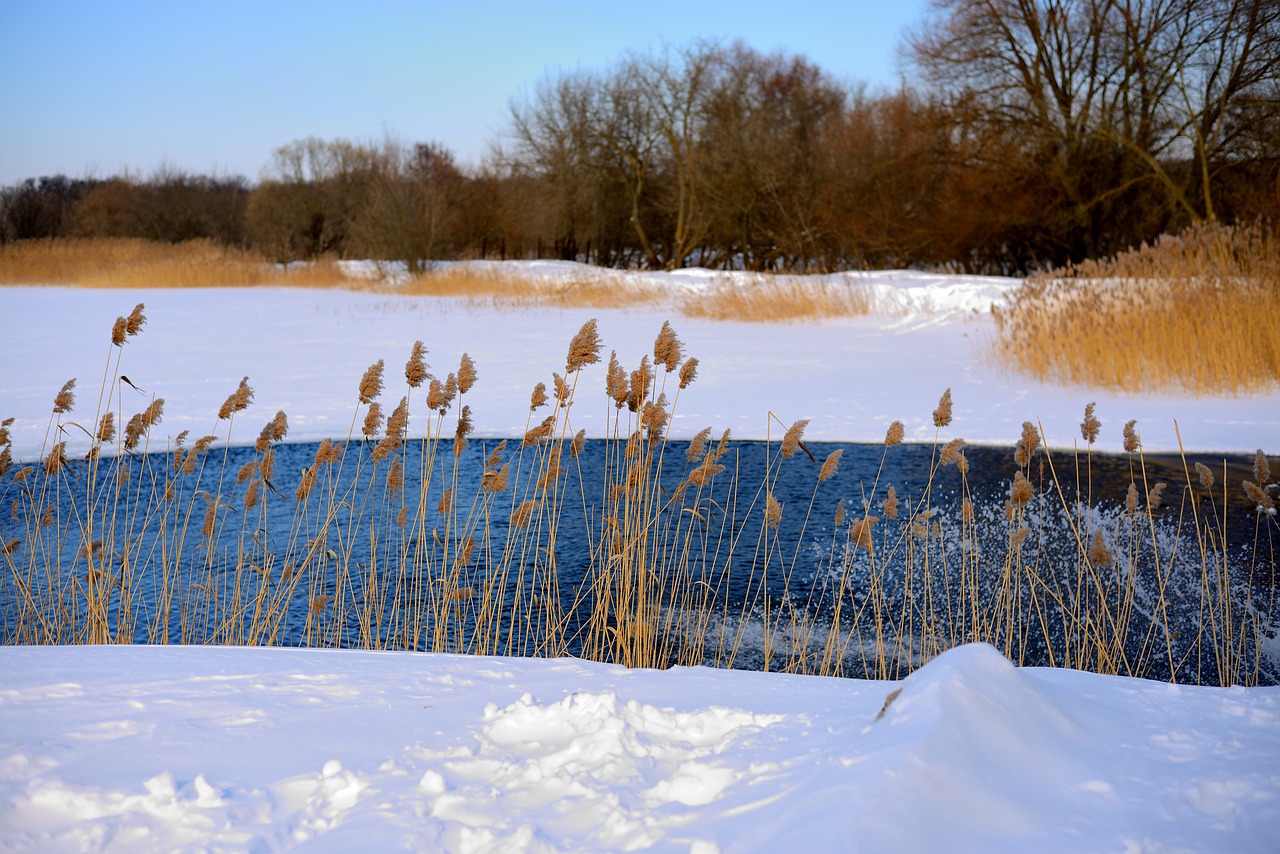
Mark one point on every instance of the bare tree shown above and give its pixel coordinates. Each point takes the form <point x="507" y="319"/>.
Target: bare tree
<point x="1112" y="96"/>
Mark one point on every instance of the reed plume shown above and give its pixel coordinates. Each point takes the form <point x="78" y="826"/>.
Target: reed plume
<point x="56" y="460"/>
<point x="951" y="452"/>
<point x="1090" y="426"/>
<point x="106" y="428"/>
<point x="942" y="415"/>
<point x="830" y="465"/>
<point x="688" y="372"/>
<point x="890" y="503"/>
<point x="697" y="445"/>
<point x="1261" y="468"/>
<point x="772" y="511"/>
<point x="238" y="401"/>
<point x="791" y="439"/>
<point x="1205" y="474"/>
<point x="667" y="348"/>
<point x="522" y="514"/>
<point x="860" y="532"/>
<point x="466" y="374"/>
<point x="133" y="324"/>
<point x="616" y="383"/>
<point x="584" y="349"/>
<point x="539" y="397"/>
<point x="1026" y="445"/>
<point x="66" y="398"/>
<point x="1259" y="496"/>
<point x="1021" y="492"/>
<point x="415" y="370"/>
<point x="893" y="436"/>
<point x="372" y="421"/>
<point x="371" y="382"/>
<point x="1132" y="442"/>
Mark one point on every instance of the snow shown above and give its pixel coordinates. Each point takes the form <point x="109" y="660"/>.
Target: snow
<point x="164" y="748"/>
<point x="231" y="749"/>
<point x="305" y="350"/>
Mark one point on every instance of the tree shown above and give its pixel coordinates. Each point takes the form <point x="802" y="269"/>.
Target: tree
<point x="1126" y="106"/>
<point x="408" y="205"/>
<point x="768" y="121"/>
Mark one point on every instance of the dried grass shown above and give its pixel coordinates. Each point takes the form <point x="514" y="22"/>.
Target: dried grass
<point x="101" y="262"/>
<point x="128" y="262"/>
<point x="605" y="289"/>
<point x="1193" y="313"/>
<point x="778" y="299"/>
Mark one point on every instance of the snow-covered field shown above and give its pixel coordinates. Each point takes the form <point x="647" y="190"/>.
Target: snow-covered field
<point x="181" y="748"/>
<point x="178" y="748"/>
<point x="305" y="350"/>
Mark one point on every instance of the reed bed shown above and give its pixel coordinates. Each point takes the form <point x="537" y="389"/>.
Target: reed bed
<point x="495" y="287"/>
<point x="105" y="262"/>
<point x="774" y="299"/>
<point x="1193" y="314"/>
<point x="409" y="534"/>
<point x="129" y="262"/>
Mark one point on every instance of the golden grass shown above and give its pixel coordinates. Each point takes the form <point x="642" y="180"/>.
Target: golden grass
<point x="781" y="299"/>
<point x="607" y="289"/>
<point x="128" y="262"/>
<point x="101" y="262"/>
<point x="122" y="545"/>
<point x="1193" y="313"/>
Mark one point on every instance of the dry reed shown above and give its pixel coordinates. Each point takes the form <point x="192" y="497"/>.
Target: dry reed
<point x="102" y="262"/>
<point x="1192" y="313"/>
<point x="778" y="299"/>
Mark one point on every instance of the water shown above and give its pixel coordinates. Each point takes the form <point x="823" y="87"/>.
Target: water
<point x="716" y="583"/>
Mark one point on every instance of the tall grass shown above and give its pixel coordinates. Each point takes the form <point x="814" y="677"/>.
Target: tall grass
<point x="773" y="299"/>
<point x="128" y="262"/>
<point x="1193" y="313"/>
<point x="103" y="262"/>
<point x="401" y="536"/>
<point x="493" y="286"/>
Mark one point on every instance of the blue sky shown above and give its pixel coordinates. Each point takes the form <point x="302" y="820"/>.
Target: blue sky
<point x="213" y="87"/>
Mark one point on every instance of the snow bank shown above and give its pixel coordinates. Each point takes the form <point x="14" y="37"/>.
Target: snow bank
<point x="150" y="748"/>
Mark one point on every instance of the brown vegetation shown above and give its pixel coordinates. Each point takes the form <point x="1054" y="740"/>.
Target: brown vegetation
<point x="777" y="299"/>
<point x="136" y="263"/>
<point x="1194" y="313"/>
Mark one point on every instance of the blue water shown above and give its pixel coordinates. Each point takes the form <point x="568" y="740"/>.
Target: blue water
<point x="741" y="575"/>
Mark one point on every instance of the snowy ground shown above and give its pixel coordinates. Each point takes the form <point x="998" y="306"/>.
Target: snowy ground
<point x="156" y="749"/>
<point x="305" y="350"/>
<point x="168" y="748"/>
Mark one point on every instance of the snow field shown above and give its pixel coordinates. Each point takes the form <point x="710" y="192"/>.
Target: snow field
<point x="143" y="748"/>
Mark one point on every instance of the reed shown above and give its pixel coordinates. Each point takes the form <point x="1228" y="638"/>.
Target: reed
<point x="407" y="533"/>
<point x="103" y="262"/>
<point x="778" y="299"/>
<point x="128" y="262"/>
<point x="489" y="286"/>
<point x="1191" y="313"/>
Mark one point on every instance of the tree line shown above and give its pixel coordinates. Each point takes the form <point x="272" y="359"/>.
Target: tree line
<point x="1035" y="132"/>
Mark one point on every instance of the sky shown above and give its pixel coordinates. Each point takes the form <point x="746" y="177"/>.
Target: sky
<point x="214" y="87"/>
